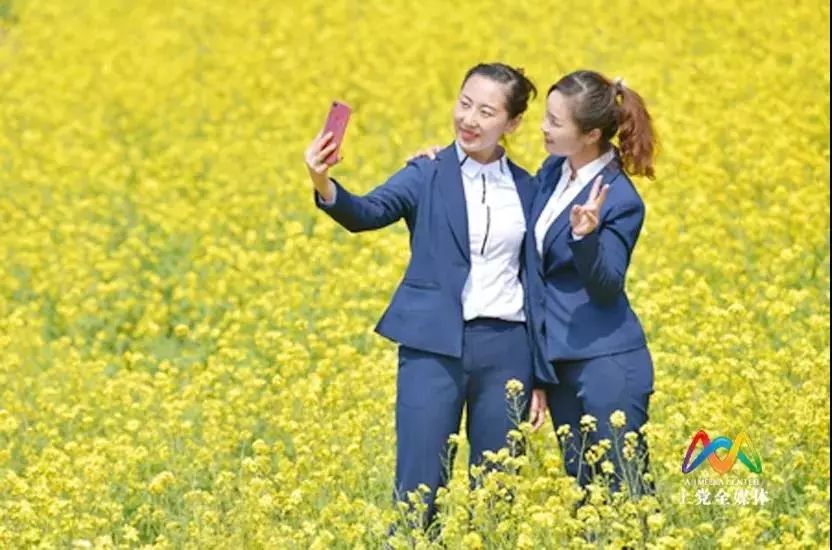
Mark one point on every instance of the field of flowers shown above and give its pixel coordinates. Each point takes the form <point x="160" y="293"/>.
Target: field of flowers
<point x="186" y="348"/>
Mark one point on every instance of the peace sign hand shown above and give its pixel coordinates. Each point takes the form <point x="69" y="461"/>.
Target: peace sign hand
<point x="584" y="218"/>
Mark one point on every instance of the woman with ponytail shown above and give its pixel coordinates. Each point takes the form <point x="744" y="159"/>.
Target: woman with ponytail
<point x="592" y="352"/>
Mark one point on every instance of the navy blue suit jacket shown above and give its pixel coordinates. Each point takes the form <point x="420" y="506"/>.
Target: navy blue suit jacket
<point x="579" y="309"/>
<point x="426" y="310"/>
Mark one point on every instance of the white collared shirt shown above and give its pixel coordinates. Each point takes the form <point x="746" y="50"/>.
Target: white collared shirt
<point x="565" y="192"/>
<point x="496" y="226"/>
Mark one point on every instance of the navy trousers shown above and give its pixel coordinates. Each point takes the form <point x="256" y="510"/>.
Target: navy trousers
<point x="432" y="390"/>
<point x="599" y="386"/>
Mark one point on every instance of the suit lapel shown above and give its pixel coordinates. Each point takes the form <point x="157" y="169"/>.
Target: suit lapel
<point x="525" y="189"/>
<point x="449" y="179"/>
<point x="562" y="221"/>
<point x="545" y="188"/>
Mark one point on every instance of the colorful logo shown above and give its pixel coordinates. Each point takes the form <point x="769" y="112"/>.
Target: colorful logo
<point x="722" y="465"/>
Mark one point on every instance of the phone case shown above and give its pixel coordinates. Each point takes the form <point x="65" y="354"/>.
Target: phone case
<point x="336" y="122"/>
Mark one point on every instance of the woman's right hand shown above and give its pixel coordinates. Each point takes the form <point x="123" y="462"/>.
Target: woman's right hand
<point x="429" y="152"/>
<point x="317" y="152"/>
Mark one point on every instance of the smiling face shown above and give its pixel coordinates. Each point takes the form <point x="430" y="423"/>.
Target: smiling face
<point x="561" y="135"/>
<point x="481" y="117"/>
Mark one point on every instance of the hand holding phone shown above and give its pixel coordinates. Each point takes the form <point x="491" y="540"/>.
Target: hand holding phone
<point x="324" y="150"/>
<point x="336" y="123"/>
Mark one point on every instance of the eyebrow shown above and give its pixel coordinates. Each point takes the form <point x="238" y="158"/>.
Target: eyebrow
<point x="483" y="106"/>
<point x="551" y="115"/>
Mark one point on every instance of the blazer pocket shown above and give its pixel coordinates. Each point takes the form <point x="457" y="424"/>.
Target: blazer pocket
<point x="421" y="283"/>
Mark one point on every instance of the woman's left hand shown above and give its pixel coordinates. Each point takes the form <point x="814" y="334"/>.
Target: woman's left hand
<point x="537" y="410"/>
<point x="584" y="217"/>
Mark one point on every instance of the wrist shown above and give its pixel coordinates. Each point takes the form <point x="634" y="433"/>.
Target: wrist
<point x="324" y="186"/>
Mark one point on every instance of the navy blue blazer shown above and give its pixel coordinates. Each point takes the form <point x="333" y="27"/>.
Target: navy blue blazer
<point x="425" y="312"/>
<point x="579" y="308"/>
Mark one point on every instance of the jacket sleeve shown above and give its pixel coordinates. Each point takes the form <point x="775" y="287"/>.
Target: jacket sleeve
<point x="602" y="257"/>
<point x="386" y="204"/>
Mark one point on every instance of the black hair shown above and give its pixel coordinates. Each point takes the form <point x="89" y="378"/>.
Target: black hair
<point x="520" y="88"/>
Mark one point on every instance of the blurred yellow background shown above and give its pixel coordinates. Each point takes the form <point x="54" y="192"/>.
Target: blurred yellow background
<point x="186" y="346"/>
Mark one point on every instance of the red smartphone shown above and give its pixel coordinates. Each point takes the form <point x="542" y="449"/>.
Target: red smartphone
<point x="336" y="122"/>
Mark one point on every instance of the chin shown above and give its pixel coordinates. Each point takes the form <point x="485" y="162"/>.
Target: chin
<point x="472" y="145"/>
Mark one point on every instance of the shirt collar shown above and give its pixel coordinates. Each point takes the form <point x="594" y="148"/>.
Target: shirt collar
<point x="472" y="169"/>
<point x="586" y="171"/>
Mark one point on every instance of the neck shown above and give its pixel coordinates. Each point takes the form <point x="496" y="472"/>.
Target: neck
<point x="487" y="155"/>
<point x="584" y="157"/>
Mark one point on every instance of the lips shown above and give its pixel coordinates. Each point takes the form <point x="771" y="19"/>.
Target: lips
<point x="468" y="135"/>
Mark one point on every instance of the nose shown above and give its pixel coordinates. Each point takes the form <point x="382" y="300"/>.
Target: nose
<point x="469" y="120"/>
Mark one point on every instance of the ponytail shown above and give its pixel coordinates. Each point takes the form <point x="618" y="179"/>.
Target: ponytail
<point x="636" y="139"/>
